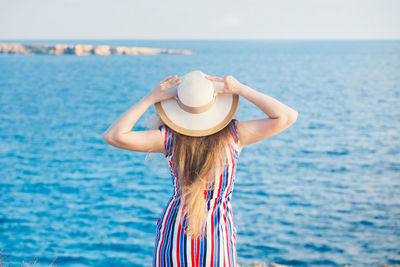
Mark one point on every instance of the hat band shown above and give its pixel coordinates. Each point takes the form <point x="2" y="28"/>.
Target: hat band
<point x="196" y="110"/>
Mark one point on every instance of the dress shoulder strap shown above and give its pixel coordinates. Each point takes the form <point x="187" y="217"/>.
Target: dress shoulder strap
<point x="234" y="130"/>
<point x="167" y="138"/>
<point x="234" y="133"/>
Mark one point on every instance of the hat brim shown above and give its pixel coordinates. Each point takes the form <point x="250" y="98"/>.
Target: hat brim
<point x="199" y="124"/>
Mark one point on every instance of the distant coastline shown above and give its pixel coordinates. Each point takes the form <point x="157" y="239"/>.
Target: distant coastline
<point x="83" y="49"/>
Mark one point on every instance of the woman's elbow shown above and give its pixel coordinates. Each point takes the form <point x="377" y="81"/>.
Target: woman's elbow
<point x="291" y="117"/>
<point x="109" y="138"/>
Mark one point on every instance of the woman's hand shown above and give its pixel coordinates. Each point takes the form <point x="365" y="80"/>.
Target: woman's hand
<point x="159" y="92"/>
<point x="231" y="85"/>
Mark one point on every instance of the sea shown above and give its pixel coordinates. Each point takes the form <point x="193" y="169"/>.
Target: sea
<point x="323" y="192"/>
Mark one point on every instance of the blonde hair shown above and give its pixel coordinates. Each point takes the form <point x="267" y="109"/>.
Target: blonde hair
<point x="197" y="161"/>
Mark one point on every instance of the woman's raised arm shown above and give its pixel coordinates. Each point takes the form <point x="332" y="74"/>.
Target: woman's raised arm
<point x="119" y="134"/>
<point x="279" y="115"/>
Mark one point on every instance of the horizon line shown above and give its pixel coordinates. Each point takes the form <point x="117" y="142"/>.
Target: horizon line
<point x="203" y="39"/>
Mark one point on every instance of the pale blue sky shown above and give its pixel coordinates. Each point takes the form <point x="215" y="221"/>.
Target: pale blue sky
<point x="205" y="19"/>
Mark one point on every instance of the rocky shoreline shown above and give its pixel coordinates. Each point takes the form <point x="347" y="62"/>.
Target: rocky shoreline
<point x="83" y="49"/>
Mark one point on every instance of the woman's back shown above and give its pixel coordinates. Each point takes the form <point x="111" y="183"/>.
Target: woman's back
<point x="199" y="106"/>
<point x="218" y="247"/>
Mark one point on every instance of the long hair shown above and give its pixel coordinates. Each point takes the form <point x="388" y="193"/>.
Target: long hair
<point x="197" y="161"/>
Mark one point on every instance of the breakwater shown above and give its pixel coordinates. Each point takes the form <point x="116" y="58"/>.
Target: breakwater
<point x="84" y="49"/>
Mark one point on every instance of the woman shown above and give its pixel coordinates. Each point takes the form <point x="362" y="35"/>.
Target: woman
<point x="202" y="142"/>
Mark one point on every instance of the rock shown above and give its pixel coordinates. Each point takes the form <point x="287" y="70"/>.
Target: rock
<point x="102" y="50"/>
<point x="273" y="264"/>
<point x="261" y="264"/>
<point x="175" y="51"/>
<point x="59" y="49"/>
<point x="69" y="49"/>
<point x="83" y="49"/>
<point x="124" y="50"/>
<point x="119" y="50"/>
<point x="387" y="265"/>
<point x="257" y="264"/>
<point x="13" y="48"/>
<point x="37" y="48"/>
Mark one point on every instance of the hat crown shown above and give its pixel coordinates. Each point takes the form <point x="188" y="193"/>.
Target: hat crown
<point x="197" y="112"/>
<point x="195" y="90"/>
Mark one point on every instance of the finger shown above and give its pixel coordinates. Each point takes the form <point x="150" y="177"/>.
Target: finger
<point x="166" y="78"/>
<point x="176" y="84"/>
<point x="169" y="96"/>
<point x="166" y="81"/>
<point x="214" y="78"/>
<point x="174" y="80"/>
<point x="170" y="85"/>
<point x="217" y="92"/>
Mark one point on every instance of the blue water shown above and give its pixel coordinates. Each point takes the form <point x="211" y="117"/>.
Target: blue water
<point x="325" y="192"/>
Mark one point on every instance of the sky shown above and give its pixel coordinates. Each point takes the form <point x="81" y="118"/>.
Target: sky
<point x="202" y="19"/>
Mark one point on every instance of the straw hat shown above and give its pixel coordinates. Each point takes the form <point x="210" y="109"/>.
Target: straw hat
<point x="197" y="112"/>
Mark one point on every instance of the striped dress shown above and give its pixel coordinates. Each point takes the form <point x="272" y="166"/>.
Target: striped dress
<point x="174" y="248"/>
